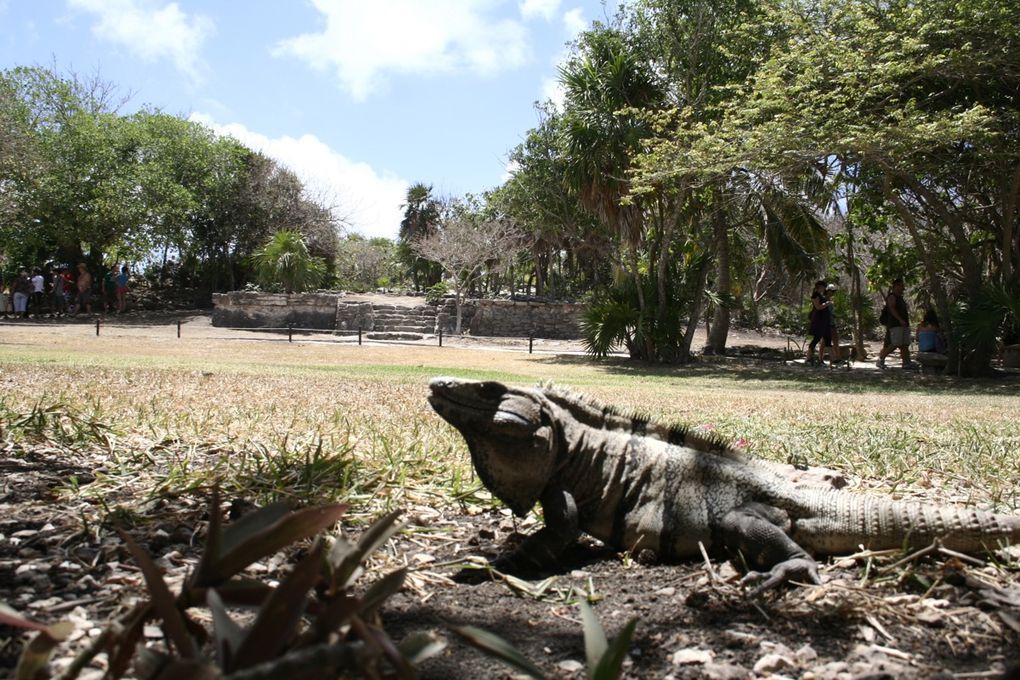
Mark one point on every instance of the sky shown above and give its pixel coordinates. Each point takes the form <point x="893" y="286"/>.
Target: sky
<point x="360" y="98"/>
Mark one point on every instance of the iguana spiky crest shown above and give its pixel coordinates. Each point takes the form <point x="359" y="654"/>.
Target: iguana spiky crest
<point x="593" y="413"/>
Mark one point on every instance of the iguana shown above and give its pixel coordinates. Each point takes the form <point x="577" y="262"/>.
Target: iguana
<point x="641" y="486"/>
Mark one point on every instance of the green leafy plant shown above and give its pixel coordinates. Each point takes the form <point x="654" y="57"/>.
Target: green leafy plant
<point x="436" y="292"/>
<point x="994" y="316"/>
<point x="311" y="624"/>
<point x="604" y="658"/>
<point x="608" y="324"/>
<point x="285" y="261"/>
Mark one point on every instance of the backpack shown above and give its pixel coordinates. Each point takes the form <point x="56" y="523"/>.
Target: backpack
<point x="885" y="318"/>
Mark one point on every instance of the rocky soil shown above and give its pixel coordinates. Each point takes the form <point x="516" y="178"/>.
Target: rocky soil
<point x="874" y="617"/>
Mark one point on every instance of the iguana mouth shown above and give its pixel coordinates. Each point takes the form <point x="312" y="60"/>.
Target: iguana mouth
<point x="464" y="394"/>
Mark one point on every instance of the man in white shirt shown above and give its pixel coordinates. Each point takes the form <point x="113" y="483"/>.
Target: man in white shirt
<point x="38" y="287"/>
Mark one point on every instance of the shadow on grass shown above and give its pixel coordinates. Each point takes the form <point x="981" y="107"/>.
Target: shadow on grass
<point x="864" y="378"/>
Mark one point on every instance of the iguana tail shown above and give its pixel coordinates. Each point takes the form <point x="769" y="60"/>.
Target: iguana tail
<point x="835" y="522"/>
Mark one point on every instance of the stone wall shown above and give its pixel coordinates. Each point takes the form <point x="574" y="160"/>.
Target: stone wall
<point x="354" y="316"/>
<point x="509" y="318"/>
<point x="330" y="311"/>
<point x="274" y="310"/>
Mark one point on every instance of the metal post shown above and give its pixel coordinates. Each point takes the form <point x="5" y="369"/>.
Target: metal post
<point x="359" y="336"/>
<point x="178" y="328"/>
<point x="440" y="337"/>
<point x="97" y="328"/>
<point x="531" y="342"/>
<point x="290" y="332"/>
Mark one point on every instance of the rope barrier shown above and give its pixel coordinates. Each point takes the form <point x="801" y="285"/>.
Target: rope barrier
<point x="290" y="329"/>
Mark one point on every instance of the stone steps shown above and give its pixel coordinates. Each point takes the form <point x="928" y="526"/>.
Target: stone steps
<point x="386" y="335"/>
<point x="392" y="319"/>
<point x="401" y="328"/>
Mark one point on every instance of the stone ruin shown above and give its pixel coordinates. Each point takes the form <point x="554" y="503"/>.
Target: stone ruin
<point x="385" y="320"/>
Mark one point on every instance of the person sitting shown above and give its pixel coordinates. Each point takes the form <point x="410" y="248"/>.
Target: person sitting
<point x="931" y="342"/>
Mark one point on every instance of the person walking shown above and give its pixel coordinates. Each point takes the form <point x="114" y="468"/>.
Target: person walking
<point x="122" y="289"/>
<point x="896" y="319"/>
<point x="22" y="291"/>
<point x="835" y="353"/>
<point x="84" y="289"/>
<point x="6" y="306"/>
<point x="820" y="323"/>
<point x="58" y="299"/>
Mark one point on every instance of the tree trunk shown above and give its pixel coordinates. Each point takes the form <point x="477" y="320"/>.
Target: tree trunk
<point x="540" y="261"/>
<point x="856" y="294"/>
<point x="1010" y="250"/>
<point x="458" y="300"/>
<point x="684" y="354"/>
<point x="720" y="328"/>
<point x="667" y="224"/>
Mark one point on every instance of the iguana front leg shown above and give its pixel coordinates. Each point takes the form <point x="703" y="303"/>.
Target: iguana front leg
<point x="758" y="532"/>
<point x="543" y="548"/>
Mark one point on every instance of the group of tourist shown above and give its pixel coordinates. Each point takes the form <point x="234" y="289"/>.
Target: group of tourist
<point x="56" y="291"/>
<point x="895" y="317"/>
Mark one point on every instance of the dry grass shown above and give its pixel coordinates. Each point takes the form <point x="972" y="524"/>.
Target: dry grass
<point x="316" y="421"/>
<point x="138" y="426"/>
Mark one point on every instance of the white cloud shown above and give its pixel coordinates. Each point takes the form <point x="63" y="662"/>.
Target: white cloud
<point x="151" y="31"/>
<point x="574" y="22"/>
<point x="543" y="8"/>
<point x="366" y="200"/>
<point x="552" y="90"/>
<point x="362" y="41"/>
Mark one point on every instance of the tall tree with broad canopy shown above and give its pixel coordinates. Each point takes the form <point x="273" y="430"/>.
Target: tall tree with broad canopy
<point x="927" y="98"/>
<point x="705" y="50"/>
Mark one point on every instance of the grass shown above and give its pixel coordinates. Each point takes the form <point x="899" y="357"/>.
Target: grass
<point x="313" y="422"/>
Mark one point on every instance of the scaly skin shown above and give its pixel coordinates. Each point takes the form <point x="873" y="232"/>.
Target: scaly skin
<point x="643" y="487"/>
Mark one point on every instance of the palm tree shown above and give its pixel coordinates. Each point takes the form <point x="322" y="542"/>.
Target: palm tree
<point x="421" y="219"/>
<point x="605" y="78"/>
<point x="285" y="261"/>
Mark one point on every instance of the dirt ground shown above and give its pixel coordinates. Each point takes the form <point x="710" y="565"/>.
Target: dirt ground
<point x="871" y="618"/>
<point x="936" y="619"/>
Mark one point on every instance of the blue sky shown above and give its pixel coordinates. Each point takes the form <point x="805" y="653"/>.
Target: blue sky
<point x="359" y="97"/>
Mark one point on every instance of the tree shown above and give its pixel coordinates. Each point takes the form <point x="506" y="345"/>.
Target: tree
<point x="467" y="245"/>
<point x="285" y="261"/>
<point x="81" y="182"/>
<point x="604" y="82"/>
<point x="21" y="164"/>
<point x="367" y="263"/>
<point x="537" y="198"/>
<point x="924" y="98"/>
<point x="421" y="218"/>
<point x="705" y="50"/>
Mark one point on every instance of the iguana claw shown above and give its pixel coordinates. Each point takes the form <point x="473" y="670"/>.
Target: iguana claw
<point x="804" y="570"/>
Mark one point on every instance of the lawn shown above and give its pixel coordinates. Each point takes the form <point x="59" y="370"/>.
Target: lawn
<point x="145" y="426"/>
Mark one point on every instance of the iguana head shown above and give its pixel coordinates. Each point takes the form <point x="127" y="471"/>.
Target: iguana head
<point x="510" y="431"/>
